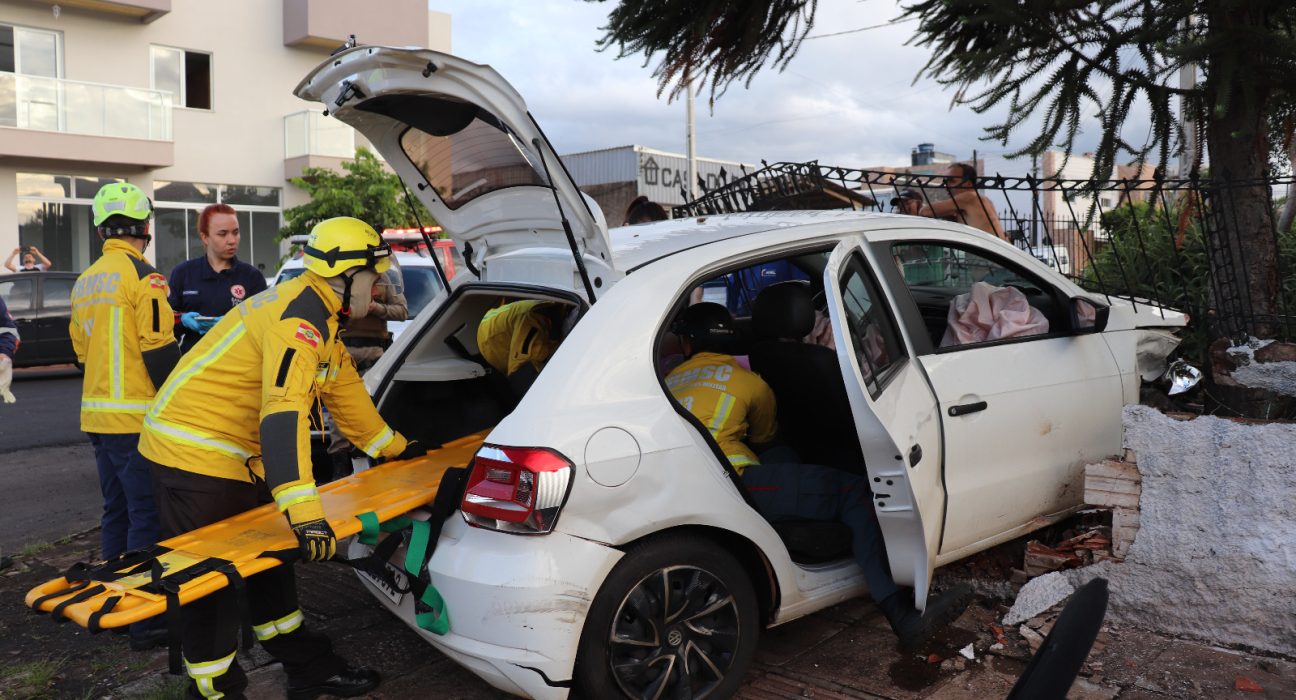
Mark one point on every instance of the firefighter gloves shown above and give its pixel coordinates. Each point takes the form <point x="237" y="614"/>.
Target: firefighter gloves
<point x="315" y="539"/>
<point x="413" y="449"/>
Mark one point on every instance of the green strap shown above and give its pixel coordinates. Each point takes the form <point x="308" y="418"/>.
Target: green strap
<point x="370" y="527"/>
<point x="436" y="621"/>
<point x="419" y="538"/>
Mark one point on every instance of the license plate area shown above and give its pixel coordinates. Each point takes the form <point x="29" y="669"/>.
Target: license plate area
<point x="397" y="575"/>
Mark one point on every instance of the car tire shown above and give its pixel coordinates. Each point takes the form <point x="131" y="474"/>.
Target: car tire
<point x="700" y="648"/>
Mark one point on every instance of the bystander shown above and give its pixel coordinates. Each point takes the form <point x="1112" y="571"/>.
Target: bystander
<point x="965" y="205"/>
<point x="32" y="260"/>
<point x="9" y="340"/>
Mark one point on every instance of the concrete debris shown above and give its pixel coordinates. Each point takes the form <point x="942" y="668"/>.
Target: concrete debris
<point x="1265" y="364"/>
<point x="968" y="653"/>
<point x="1033" y="638"/>
<point x="955" y="664"/>
<point x="1039" y="595"/>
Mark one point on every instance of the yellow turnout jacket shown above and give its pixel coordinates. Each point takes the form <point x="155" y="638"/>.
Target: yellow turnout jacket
<point x="238" y="405"/>
<point x="735" y="404"/>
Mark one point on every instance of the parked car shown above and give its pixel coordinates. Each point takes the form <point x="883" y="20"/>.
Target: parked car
<point x="602" y="544"/>
<point x="41" y="304"/>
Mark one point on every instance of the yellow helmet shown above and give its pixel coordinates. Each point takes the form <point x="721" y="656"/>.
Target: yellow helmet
<point x="341" y="243"/>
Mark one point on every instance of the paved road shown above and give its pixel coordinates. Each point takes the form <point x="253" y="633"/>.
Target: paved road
<point x="48" y="483"/>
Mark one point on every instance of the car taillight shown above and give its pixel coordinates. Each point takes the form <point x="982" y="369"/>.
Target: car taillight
<point x="516" y="489"/>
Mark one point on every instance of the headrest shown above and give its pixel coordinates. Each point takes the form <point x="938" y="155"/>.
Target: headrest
<point x="783" y="310"/>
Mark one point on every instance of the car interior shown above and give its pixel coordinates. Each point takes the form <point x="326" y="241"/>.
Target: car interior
<point x="442" y="388"/>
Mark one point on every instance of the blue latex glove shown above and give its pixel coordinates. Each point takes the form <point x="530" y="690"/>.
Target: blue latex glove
<point x="191" y="321"/>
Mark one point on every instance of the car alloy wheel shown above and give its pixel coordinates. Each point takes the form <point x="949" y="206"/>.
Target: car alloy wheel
<point x="675" y="635"/>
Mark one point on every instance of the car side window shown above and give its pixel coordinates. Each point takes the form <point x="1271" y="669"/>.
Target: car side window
<point x="57" y="292"/>
<point x="966" y="297"/>
<point x="17" y="294"/>
<point x="869" y="325"/>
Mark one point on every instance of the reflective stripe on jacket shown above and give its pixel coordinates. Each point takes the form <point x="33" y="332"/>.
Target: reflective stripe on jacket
<point x="119" y="311"/>
<point x="238" y="404"/>
<point x="735" y="404"/>
<point x="515" y="334"/>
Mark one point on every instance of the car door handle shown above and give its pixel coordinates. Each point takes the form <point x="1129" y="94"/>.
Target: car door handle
<point x="915" y="455"/>
<point x="965" y="408"/>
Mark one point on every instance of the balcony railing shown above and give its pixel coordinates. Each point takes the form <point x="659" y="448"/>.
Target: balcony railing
<point x="91" y="109"/>
<point x="313" y="134"/>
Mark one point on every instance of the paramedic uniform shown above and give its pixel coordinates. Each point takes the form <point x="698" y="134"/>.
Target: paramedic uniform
<point x="738" y="408"/>
<point x="196" y="286"/>
<point x="121" y="332"/>
<point x="230" y="431"/>
<point x="514" y="335"/>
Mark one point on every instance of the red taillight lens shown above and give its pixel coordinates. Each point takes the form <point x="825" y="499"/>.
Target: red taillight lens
<point x="516" y="489"/>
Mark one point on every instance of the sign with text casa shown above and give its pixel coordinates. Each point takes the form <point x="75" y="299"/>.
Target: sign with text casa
<point x="662" y="177"/>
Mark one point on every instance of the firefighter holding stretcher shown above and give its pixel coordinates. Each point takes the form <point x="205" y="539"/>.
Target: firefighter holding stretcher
<point x="229" y="431"/>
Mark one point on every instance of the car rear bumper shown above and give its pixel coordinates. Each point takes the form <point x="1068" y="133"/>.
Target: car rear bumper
<point x="516" y="604"/>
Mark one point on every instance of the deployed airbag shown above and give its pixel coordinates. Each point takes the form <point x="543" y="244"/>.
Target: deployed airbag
<point x="987" y="312"/>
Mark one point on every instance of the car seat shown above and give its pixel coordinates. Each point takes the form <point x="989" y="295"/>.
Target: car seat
<point x="813" y="411"/>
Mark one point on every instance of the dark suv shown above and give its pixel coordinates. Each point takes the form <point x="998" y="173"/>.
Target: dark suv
<point x="41" y="304"/>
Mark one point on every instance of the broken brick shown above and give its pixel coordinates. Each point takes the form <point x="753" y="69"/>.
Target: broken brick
<point x="1246" y="685"/>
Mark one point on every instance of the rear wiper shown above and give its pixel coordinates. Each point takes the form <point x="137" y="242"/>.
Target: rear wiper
<point x="567" y="229"/>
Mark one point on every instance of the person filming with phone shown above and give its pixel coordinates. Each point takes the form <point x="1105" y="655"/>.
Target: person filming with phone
<point x="32" y="260"/>
<point x="204" y="289"/>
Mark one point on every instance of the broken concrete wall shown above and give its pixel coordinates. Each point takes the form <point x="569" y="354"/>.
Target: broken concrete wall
<point x="1215" y="553"/>
<point x="1265" y="364"/>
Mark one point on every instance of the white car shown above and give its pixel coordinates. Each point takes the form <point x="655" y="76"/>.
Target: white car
<point x="602" y="544"/>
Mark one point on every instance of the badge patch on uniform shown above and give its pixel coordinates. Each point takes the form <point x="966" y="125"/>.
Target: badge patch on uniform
<point x="237" y="291"/>
<point x="307" y="334"/>
<point x="157" y="281"/>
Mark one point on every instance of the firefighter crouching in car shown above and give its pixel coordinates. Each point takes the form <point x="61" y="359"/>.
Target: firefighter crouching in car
<point x="738" y="408"/>
<point x="121" y="331"/>
<point x="517" y="339"/>
<point x="230" y="431"/>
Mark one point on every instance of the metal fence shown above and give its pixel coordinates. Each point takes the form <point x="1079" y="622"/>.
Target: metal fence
<point x="1164" y="243"/>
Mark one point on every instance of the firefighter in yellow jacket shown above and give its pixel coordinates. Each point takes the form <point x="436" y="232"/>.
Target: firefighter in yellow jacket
<point x="518" y="338"/>
<point x="230" y="430"/>
<point x="121" y="331"/>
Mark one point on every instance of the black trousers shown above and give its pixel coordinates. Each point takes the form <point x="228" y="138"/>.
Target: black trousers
<point x="209" y="640"/>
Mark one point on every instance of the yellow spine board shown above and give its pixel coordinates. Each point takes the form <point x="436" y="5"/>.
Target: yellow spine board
<point x="388" y="491"/>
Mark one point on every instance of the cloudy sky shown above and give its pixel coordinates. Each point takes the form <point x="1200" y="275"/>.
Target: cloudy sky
<point x="844" y="100"/>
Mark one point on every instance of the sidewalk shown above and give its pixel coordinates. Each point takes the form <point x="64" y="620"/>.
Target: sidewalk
<point x="844" y="652"/>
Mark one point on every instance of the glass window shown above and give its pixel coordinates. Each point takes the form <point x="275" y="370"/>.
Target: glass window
<point x="63" y="232"/>
<point x="169" y="236"/>
<point x="17" y="294"/>
<point x="57" y="292"/>
<point x="6" y="48"/>
<point x="872" y="332"/>
<point x="42" y="185"/>
<point x="168" y="72"/>
<point x="472" y="154"/>
<point x="36" y="52"/>
<point x="190" y="192"/>
<point x="421" y="286"/>
<point x="265" y="242"/>
<point x="197" y="81"/>
<point x="247" y="194"/>
<point x="88" y="187"/>
<point x="245" y="236"/>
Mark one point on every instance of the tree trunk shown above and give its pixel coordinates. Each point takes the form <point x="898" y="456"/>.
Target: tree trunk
<point x="1289" y="207"/>
<point x="1244" y="251"/>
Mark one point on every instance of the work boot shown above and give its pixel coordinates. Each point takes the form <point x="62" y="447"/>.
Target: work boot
<point x="912" y="627"/>
<point x="346" y="683"/>
<point x="146" y="639"/>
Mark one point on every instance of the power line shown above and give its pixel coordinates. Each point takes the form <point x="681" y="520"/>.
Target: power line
<point x="893" y="22"/>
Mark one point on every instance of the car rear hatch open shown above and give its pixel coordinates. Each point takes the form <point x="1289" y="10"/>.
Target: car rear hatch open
<point x="462" y="137"/>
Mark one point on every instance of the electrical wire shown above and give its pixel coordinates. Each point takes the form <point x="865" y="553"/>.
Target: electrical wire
<point x="892" y="23"/>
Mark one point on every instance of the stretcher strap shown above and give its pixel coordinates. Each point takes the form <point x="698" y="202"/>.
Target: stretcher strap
<point x="370" y="527"/>
<point x="93" y="623"/>
<point x="36" y="604"/>
<point x="174" y="619"/>
<point x="240" y="594"/>
<point x="87" y="594"/>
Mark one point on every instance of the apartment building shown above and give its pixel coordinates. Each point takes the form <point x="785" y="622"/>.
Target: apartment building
<point x="191" y="100"/>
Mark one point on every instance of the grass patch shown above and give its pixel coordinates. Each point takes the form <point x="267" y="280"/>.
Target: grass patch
<point x="34" y="548"/>
<point x="173" y="688"/>
<point x="31" y="679"/>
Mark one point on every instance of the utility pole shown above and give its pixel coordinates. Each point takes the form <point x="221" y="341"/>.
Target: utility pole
<point x="691" y="136"/>
<point x="1035" y="237"/>
<point x="1187" y="81"/>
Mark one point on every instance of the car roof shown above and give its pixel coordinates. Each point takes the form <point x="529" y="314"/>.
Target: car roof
<point x="404" y="258"/>
<point x="38" y="273"/>
<point x="638" y="245"/>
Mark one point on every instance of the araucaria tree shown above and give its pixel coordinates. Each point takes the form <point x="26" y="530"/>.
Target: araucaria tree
<point x="1050" y="63"/>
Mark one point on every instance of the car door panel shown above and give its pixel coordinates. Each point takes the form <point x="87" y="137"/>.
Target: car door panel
<point x="895" y="414"/>
<point x="55" y="311"/>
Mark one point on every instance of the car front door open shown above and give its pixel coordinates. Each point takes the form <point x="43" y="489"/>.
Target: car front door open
<point x="895" y="415"/>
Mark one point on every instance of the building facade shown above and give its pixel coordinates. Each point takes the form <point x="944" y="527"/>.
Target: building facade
<point x="191" y="101"/>
<point x="614" y="177"/>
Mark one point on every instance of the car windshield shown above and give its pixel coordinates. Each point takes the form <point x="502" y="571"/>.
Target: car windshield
<point x="421" y="285"/>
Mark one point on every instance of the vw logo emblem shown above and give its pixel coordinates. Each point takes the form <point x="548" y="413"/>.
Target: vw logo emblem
<point x="674" y="637"/>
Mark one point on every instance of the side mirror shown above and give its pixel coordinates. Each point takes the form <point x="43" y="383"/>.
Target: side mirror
<point x="1088" y="316"/>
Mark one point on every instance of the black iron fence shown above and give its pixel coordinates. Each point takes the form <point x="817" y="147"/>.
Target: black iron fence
<point x="1208" y="247"/>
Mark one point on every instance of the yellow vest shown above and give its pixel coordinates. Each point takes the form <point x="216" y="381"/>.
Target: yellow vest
<point x="515" y="334"/>
<point x="735" y="404"/>
<point x="119" y="311"/>
<point x="238" y="404"/>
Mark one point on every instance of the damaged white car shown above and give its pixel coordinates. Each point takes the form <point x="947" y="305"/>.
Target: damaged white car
<point x="602" y="544"/>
